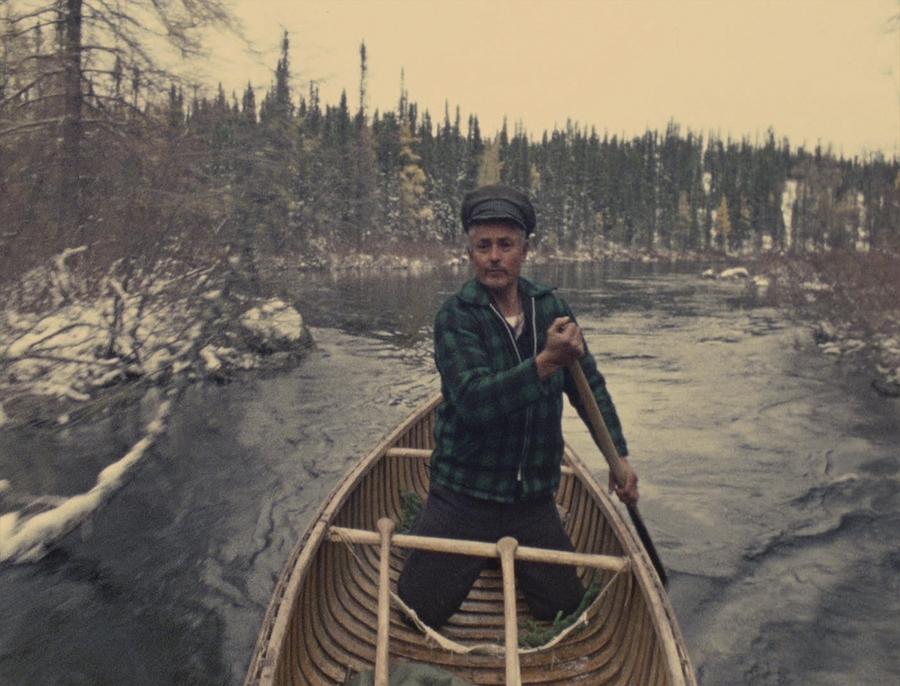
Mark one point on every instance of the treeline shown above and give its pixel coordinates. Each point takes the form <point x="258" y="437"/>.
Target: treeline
<point x="328" y="176"/>
<point x="101" y="146"/>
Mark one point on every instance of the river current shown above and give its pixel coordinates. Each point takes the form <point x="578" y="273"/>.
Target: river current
<point x="769" y="481"/>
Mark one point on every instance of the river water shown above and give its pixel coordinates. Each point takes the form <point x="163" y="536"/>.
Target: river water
<point x="769" y="481"/>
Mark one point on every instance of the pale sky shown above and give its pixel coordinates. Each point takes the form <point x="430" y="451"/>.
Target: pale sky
<point x="814" y="70"/>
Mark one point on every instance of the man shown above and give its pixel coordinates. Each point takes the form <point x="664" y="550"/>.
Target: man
<point x="502" y="345"/>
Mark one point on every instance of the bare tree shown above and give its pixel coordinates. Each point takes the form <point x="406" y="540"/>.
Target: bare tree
<point x="74" y="101"/>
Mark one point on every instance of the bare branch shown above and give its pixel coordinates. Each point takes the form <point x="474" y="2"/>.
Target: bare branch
<point x="110" y="10"/>
<point x="21" y="91"/>
<point x="105" y="123"/>
<point x="32" y="101"/>
<point x="29" y="29"/>
<point x="62" y="358"/>
<point x="105" y="48"/>
<point x="13" y="67"/>
<point x="114" y="99"/>
<point x="32" y="15"/>
<point x="31" y="125"/>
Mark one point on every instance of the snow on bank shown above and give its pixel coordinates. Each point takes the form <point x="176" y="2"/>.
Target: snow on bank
<point x="339" y="262"/>
<point x="68" y="340"/>
<point x="735" y="273"/>
<point x="438" y="256"/>
<point x="25" y="538"/>
<point x="61" y="341"/>
<point x="757" y="281"/>
<point x="274" y="322"/>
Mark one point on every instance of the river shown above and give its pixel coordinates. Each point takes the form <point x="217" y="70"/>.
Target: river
<point x="769" y="481"/>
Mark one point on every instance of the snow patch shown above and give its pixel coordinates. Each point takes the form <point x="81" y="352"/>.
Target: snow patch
<point x="274" y="324"/>
<point x="210" y="360"/>
<point x="735" y="273"/>
<point x="815" y="286"/>
<point x="63" y="338"/>
<point x="730" y="274"/>
<point x="82" y="339"/>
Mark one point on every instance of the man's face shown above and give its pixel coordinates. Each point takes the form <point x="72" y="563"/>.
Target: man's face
<point x="497" y="252"/>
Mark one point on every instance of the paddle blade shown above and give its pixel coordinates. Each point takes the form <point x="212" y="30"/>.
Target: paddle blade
<point x="644" y="535"/>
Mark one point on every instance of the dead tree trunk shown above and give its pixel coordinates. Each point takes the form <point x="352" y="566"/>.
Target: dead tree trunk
<point x="71" y="201"/>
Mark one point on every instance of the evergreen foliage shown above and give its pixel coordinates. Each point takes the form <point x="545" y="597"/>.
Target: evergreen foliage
<point x="537" y="634"/>
<point x="297" y="176"/>
<point x="411" y="504"/>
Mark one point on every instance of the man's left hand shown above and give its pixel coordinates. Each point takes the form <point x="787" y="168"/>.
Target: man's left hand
<point x="628" y="492"/>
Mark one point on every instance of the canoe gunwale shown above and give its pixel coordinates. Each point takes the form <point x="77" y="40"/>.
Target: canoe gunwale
<point x="665" y="624"/>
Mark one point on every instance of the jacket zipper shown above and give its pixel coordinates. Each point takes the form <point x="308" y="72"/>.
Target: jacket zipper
<point x="528" y="412"/>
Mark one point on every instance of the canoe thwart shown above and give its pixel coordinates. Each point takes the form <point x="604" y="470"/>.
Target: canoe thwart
<point x="612" y="563"/>
<point x="424" y="454"/>
<point x="420" y="453"/>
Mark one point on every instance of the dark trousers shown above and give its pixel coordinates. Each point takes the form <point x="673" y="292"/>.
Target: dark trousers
<point x="435" y="584"/>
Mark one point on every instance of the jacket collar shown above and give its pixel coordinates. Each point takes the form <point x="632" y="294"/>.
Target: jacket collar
<point x="473" y="293"/>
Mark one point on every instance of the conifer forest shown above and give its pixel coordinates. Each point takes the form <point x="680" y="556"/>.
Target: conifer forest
<point x="102" y="146"/>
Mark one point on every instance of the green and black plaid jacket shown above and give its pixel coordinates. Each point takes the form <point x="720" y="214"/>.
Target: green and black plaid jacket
<point x="499" y="430"/>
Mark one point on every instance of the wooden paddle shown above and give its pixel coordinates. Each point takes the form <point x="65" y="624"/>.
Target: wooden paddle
<point x="608" y="448"/>
<point x="382" y="653"/>
<point x="506" y="546"/>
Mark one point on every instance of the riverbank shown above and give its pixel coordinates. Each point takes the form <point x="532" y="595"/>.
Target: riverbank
<point x="70" y="335"/>
<point x="849" y="301"/>
<point x="424" y="256"/>
<point x="77" y="348"/>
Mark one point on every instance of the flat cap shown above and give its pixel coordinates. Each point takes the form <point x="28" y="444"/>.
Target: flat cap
<point x="498" y="203"/>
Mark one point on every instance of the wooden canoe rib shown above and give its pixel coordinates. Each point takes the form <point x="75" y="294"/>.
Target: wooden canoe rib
<point x="321" y="625"/>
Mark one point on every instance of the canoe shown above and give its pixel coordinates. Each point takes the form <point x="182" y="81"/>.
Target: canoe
<point x="322" y="624"/>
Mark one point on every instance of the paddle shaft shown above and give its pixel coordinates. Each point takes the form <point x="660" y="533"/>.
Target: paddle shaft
<point x="506" y="546"/>
<point x="608" y="448"/>
<point x="386" y="531"/>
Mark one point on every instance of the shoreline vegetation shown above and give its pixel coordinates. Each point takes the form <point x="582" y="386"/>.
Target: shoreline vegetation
<point x="849" y="301"/>
<point x="69" y="335"/>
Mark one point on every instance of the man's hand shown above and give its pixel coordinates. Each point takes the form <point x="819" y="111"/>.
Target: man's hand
<point x="565" y="344"/>
<point x="628" y="493"/>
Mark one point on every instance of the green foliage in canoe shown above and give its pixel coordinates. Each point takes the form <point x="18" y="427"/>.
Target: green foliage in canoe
<point x="411" y="505"/>
<point x="537" y="634"/>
